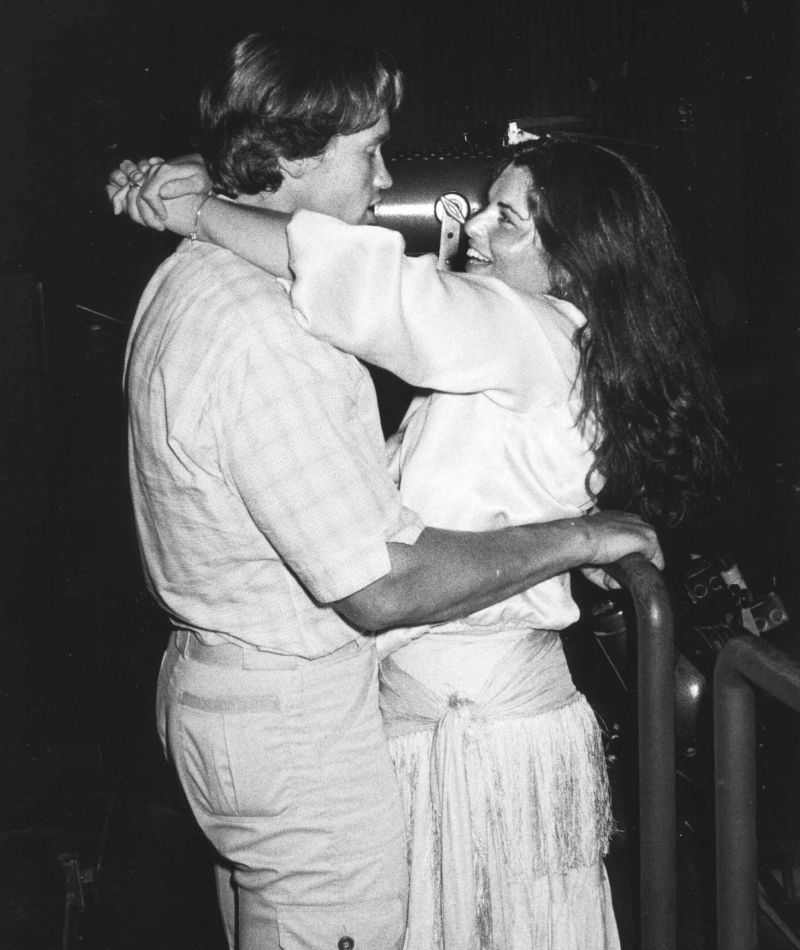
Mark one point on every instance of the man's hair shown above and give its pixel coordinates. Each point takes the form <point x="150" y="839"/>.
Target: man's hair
<point x="647" y="383"/>
<point x="287" y="97"/>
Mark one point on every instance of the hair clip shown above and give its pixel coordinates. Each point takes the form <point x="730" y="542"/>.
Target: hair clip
<point x="516" y="136"/>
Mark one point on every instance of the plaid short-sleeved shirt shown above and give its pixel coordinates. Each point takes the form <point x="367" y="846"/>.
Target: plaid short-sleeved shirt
<point x="256" y="459"/>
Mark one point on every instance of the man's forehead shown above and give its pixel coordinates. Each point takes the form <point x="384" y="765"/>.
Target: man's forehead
<point x="383" y="126"/>
<point x="378" y="132"/>
<point x="366" y="138"/>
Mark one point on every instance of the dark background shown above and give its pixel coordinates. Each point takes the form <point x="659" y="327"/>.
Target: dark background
<point x="708" y="88"/>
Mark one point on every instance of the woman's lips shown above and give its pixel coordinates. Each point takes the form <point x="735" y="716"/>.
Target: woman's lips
<point x="475" y="257"/>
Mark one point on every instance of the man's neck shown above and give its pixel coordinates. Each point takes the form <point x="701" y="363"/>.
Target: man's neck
<point x="280" y="200"/>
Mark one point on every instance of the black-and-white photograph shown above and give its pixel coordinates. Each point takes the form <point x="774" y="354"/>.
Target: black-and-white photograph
<point x="400" y="475"/>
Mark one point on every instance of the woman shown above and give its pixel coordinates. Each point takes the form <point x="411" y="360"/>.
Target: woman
<point x="567" y="369"/>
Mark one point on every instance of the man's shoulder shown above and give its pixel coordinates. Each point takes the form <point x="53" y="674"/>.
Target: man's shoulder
<point x="205" y="290"/>
<point x="205" y="305"/>
<point x="206" y="273"/>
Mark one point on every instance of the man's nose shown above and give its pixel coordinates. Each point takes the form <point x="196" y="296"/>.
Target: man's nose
<point x="383" y="179"/>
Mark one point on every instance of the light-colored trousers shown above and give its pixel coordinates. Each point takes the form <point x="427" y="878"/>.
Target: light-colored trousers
<point x="285" y="765"/>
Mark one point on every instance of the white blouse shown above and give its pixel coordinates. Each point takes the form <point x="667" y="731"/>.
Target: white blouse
<point x="495" y="443"/>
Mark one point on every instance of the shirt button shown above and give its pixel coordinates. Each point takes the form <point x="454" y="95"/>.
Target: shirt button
<point x="346" y="943"/>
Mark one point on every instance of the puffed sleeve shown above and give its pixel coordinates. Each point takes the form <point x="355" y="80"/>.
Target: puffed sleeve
<point x="355" y="288"/>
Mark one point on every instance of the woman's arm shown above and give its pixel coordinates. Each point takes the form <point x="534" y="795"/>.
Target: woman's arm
<point x="176" y="196"/>
<point x="355" y="289"/>
<point x="256" y="234"/>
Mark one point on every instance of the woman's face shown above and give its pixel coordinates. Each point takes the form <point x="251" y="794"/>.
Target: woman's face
<point x="503" y="241"/>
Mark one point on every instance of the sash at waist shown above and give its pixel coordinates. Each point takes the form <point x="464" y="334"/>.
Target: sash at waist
<point x="516" y="754"/>
<point x="529" y="678"/>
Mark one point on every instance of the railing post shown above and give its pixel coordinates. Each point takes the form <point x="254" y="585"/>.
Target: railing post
<point x="744" y="661"/>
<point x="735" y="776"/>
<point x="658" y="870"/>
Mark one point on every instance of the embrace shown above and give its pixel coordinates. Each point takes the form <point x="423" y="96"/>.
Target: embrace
<point x="457" y="799"/>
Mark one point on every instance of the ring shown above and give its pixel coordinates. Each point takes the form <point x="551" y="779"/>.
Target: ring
<point x="135" y="184"/>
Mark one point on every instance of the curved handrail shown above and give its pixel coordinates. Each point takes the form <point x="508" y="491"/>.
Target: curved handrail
<point x="774" y="666"/>
<point x="656" y="650"/>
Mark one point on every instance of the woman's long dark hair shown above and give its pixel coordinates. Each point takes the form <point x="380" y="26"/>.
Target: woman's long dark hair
<point x="649" y="392"/>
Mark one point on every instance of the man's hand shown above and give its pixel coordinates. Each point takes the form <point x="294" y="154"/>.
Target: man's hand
<point x="141" y="191"/>
<point x="612" y="535"/>
<point x="600" y="578"/>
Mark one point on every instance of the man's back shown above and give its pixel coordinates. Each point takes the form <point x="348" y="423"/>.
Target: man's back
<point x="243" y="429"/>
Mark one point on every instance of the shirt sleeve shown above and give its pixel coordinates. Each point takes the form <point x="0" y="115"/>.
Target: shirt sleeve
<point x="309" y="470"/>
<point x="355" y="288"/>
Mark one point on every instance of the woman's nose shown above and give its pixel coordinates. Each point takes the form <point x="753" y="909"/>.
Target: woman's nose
<point x="474" y="224"/>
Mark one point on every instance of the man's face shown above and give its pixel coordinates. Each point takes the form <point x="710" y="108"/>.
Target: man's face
<point x="348" y="180"/>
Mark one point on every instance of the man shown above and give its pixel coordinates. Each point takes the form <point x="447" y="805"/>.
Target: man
<point x="271" y="532"/>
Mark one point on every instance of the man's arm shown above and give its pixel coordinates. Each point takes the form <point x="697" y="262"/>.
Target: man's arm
<point x="451" y="574"/>
<point x="305" y="466"/>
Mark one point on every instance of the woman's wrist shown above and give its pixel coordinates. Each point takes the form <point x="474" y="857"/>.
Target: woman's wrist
<point x="198" y="231"/>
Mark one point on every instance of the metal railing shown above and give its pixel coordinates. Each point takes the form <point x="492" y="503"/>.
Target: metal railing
<point x="744" y="662"/>
<point x="656" y="652"/>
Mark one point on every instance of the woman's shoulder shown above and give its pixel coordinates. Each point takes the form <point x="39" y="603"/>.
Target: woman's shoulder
<point x="552" y="318"/>
<point x="561" y="313"/>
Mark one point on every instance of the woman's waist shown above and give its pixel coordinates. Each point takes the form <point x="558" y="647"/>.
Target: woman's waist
<point x="547" y="606"/>
<point x="514" y="673"/>
<point x="460" y="653"/>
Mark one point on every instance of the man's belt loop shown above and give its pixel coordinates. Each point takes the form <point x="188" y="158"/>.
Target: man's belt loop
<point x="181" y="641"/>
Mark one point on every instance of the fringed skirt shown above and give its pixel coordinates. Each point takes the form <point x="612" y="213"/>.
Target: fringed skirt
<point x="505" y="794"/>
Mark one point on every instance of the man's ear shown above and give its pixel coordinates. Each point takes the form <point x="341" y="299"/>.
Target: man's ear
<point x="298" y="167"/>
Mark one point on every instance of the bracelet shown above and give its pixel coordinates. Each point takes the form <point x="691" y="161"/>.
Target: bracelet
<point x="193" y="232"/>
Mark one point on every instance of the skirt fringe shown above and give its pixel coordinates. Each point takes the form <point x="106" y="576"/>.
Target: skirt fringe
<point x="530" y="846"/>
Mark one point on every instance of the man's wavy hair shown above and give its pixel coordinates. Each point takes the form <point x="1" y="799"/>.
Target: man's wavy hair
<point x="287" y="97"/>
<point x="649" y="392"/>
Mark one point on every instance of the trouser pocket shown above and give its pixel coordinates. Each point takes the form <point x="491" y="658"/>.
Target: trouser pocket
<point x="234" y="763"/>
<point x="367" y="925"/>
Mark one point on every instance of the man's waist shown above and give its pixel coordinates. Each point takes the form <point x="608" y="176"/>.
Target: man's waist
<point x="291" y="625"/>
<point x="195" y="645"/>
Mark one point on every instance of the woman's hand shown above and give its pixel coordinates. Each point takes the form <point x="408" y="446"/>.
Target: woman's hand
<point x="177" y="196"/>
<point x="158" y="194"/>
<point x="124" y="181"/>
